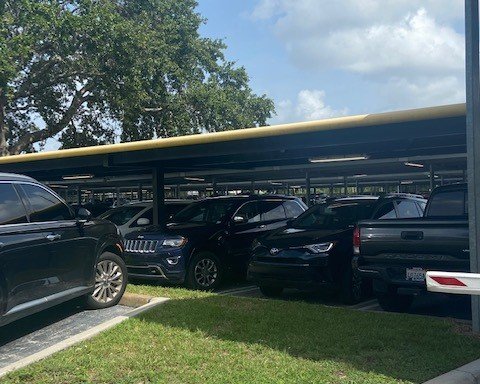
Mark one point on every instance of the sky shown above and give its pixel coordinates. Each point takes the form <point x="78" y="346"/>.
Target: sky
<point x="318" y="58"/>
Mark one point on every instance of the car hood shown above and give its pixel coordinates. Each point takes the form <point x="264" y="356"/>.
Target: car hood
<point x="295" y="237"/>
<point x="188" y="230"/>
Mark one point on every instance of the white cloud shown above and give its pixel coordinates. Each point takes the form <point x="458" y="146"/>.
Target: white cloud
<point x="309" y="105"/>
<point x="405" y="46"/>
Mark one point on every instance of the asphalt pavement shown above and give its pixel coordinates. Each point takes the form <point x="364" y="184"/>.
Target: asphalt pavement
<point x="35" y="333"/>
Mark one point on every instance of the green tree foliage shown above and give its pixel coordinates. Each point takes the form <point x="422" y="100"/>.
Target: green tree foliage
<point x="85" y="71"/>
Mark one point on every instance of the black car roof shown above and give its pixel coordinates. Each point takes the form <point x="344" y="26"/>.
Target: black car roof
<point x="15" y="177"/>
<point x="251" y="197"/>
<point x="373" y="199"/>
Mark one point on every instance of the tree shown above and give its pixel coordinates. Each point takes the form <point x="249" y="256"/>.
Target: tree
<point x="85" y="71"/>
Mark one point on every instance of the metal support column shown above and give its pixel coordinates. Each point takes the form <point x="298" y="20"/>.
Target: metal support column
<point x="473" y="143"/>
<point x="79" y="196"/>
<point x="158" y="185"/>
<point x="140" y="193"/>
<point x="117" y="196"/>
<point x="307" y="189"/>
<point x="345" y="186"/>
<point x="432" y="178"/>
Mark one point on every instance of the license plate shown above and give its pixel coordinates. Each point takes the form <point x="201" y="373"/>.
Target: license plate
<point x="415" y="274"/>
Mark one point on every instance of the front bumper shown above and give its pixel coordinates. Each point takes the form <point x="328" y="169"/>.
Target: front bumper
<point x="290" y="269"/>
<point x="154" y="266"/>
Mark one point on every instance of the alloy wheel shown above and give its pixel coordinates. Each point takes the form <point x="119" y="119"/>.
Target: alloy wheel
<point x="206" y="272"/>
<point x="108" y="281"/>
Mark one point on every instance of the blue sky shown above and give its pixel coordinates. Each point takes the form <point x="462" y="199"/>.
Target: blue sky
<point x="321" y="58"/>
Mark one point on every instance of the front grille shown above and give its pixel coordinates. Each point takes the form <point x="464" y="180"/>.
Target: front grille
<point x="141" y="246"/>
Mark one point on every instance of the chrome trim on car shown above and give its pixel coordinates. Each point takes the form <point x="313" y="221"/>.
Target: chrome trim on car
<point x="141" y="246"/>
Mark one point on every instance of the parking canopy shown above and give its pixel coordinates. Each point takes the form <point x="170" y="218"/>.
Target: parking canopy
<point x="373" y="144"/>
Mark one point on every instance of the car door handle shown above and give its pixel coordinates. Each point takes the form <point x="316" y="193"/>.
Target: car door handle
<point x="412" y="235"/>
<point x="53" y="237"/>
<point x="262" y="226"/>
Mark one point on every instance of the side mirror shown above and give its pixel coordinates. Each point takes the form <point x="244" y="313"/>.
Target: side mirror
<point x="239" y="219"/>
<point x="83" y="214"/>
<point x="143" y="222"/>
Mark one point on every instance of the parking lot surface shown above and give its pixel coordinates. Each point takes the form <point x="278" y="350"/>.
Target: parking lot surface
<point x="32" y="334"/>
<point x="428" y="304"/>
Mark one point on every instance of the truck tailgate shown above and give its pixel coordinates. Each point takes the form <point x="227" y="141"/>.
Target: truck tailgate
<point x="431" y="244"/>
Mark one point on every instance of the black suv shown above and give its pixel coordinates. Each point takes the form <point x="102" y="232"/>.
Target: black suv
<point x="316" y="249"/>
<point x="50" y="254"/>
<point x="207" y="239"/>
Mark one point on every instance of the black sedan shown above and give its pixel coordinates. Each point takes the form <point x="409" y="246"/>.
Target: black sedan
<point x="316" y="249"/>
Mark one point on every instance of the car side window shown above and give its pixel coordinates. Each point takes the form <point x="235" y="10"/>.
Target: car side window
<point x="386" y="211"/>
<point x="12" y="210"/>
<point x="448" y="203"/>
<point x="292" y="209"/>
<point x="44" y="205"/>
<point x="272" y="210"/>
<point x="249" y="212"/>
<point x="421" y="207"/>
<point x="406" y="209"/>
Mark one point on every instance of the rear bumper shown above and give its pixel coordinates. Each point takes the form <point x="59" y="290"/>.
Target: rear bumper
<point x="392" y="277"/>
<point x="285" y="275"/>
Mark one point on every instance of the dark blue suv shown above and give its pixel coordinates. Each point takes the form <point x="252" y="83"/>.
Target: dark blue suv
<point x="207" y="239"/>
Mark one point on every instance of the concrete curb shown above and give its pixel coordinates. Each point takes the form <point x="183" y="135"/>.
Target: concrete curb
<point x="152" y="302"/>
<point x="467" y="374"/>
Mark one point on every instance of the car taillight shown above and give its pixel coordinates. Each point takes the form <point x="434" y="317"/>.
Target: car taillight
<point x="356" y="241"/>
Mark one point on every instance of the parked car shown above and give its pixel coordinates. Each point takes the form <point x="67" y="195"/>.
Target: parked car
<point x="396" y="253"/>
<point x="208" y="239"/>
<point x="129" y="218"/>
<point x="315" y="250"/>
<point x="49" y="254"/>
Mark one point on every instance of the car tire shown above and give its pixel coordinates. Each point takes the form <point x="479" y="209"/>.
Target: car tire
<point x="205" y="272"/>
<point x="110" y="282"/>
<point x="271" y="291"/>
<point x="393" y="302"/>
<point x="352" y="287"/>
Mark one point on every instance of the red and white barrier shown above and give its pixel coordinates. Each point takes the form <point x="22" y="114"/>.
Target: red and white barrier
<point x="460" y="283"/>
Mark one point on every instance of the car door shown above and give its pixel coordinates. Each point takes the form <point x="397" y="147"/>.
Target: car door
<point x="241" y="234"/>
<point x="24" y="256"/>
<point x="72" y="251"/>
<point x="272" y="215"/>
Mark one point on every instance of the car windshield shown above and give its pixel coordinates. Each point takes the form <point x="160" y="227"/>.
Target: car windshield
<point x="207" y="211"/>
<point x="333" y="216"/>
<point x="123" y="215"/>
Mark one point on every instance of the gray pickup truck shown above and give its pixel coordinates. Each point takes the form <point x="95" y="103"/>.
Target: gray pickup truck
<point x="397" y="253"/>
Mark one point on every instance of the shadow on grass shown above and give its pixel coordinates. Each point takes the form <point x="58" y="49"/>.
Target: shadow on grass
<point x="400" y="346"/>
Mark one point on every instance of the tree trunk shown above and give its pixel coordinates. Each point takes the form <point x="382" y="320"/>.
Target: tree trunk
<point x="3" y="123"/>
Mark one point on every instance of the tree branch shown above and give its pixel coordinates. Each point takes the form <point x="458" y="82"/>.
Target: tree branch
<point x="28" y="139"/>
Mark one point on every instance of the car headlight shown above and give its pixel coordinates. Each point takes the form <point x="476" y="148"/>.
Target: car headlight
<point x="319" y="248"/>
<point x="174" y="242"/>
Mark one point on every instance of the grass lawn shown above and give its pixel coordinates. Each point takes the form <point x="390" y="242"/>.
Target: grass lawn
<point x="204" y="338"/>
